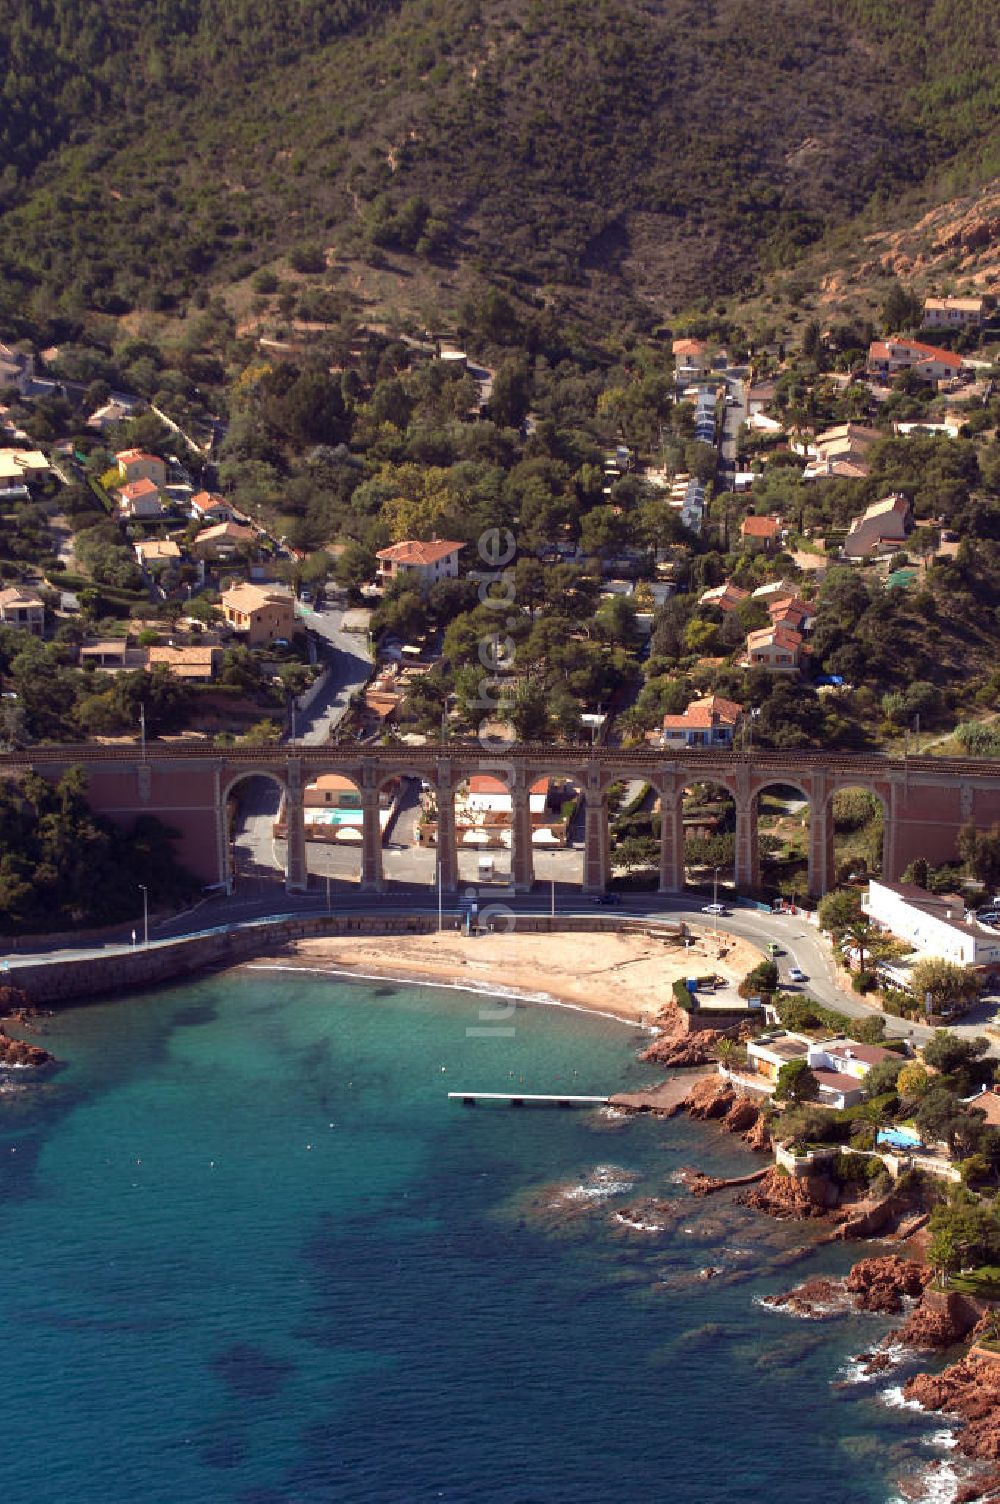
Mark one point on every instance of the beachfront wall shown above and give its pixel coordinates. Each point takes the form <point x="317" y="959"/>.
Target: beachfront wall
<point x="66" y="979"/>
<point x="925" y="800"/>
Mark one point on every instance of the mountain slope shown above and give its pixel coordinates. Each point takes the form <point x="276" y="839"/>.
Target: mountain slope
<point x="657" y="146"/>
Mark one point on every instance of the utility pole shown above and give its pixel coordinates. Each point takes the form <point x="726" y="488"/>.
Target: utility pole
<point x="145" y="916"/>
<point x="142" y="729"/>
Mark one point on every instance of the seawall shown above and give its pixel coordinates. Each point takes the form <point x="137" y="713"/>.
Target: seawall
<point x="65" y="979"/>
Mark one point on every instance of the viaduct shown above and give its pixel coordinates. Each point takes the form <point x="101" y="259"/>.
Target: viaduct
<point x="925" y="800"/>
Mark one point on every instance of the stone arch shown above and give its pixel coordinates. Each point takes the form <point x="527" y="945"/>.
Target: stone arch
<point x="245" y="852"/>
<point x="847" y="784"/>
<point x="797" y="834"/>
<point x="704" y="819"/>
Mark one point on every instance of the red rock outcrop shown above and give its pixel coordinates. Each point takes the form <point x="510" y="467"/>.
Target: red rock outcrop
<point x="969" y="1390"/>
<point x="878" y="1284"/>
<point x="868" y="1218"/>
<point x="942" y="1318"/>
<point x="17" y="1052"/>
<point x="796" y="1196"/>
<point x="683" y="1050"/>
<point x="819" y="1299"/>
<point x="881" y="1284"/>
<point x="711" y="1097"/>
<point x="758" y="1137"/>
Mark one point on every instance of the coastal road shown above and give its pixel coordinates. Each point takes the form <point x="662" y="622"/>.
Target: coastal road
<point x="802" y="944"/>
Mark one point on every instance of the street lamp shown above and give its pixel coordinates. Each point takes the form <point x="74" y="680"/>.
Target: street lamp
<point x="145" y="915"/>
<point x="715" y="900"/>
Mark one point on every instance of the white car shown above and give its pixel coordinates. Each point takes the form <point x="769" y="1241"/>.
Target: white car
<point x="796" y="975"/>
<point x="715" y="908"/>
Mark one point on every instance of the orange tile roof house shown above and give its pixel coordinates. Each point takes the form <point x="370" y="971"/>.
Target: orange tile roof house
<point x="727" y="597"/>
<point x="885" y="524"/>
<point x="954" y="313"/>
<point x="886" y="358"/>
<point x="198" y="663"/>
<point x="223" y="540"/>
<point x="776" y="648"/>
<point x="157" y="553"/>
<point x="487" y="793"/>
<point x="22" y="608"/>
<point x="762" y="530"/>
<point x="136" y="464"/>
<point x="140" y="498"/>
<point x="424" y="563"/>
<point x="790" y="611"/>
<point x="711" y="722"/>
<point x="264" y="612"/>
<point x="691" y="358"/>
<point x="207" y="506"/>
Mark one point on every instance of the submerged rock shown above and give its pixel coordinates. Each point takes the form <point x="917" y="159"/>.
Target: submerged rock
<point x="19" y="1053"/>
<point x="816" y="1299"/>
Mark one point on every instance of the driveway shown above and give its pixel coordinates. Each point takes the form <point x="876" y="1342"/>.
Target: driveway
<point x="346" y="654"/>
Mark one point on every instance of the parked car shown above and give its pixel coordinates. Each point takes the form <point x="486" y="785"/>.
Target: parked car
<point x="715" y="908"/>
<point x="610" y="899"/>
<point x="796" y="975"/>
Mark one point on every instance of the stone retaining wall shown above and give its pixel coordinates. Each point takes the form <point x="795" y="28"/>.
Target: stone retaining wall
<point x="68" y="979"/>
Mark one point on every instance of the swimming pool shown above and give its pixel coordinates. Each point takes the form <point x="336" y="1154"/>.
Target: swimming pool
<point x="334" y="817"/>
<point x="899" y="1138"/>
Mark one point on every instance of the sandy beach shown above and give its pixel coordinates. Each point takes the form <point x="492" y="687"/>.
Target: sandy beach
<point x="627" y="975"/>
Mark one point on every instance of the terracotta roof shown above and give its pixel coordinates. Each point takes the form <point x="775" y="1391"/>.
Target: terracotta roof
<point x="247" y="597"/>
<point x="836" y="1080"/>
<point x="889" y="504"/>
<point x="789" y="608"/>
<point x="116" y="646"/>
<point x="129" y="456"/>
<point x="223" y="531"/>
<point x="17" y="595"/>
<point x="704" y="715"/>
<point x="333" y="783"/>
<point x="912" y="349"/>
<point x="727" y="597"/>
<point x="158" y="548"/>
<point x="137" y="488"/>
<point x="959" y="305"/>
<point x="989" y="1103"/>
<point x="780" y="636"/>
<point x="482" y="783"/>
<point x="415" y="552"/>
<point x="208" y="501"/>
<point x="868" y="1054"/>
<point x="760" y="527"/>
<point x="689" y="347"/>
<point x="186" y="663"/>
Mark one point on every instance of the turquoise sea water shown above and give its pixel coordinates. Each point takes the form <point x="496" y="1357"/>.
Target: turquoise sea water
<point x="252" y="1253"/>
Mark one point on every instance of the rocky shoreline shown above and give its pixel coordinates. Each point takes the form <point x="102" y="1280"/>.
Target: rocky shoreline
<point x="18" y="1053"/>
<point x="968" y="1390"/>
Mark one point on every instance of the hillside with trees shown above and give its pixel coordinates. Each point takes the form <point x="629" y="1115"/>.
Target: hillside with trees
<point x="664" y="151"/>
